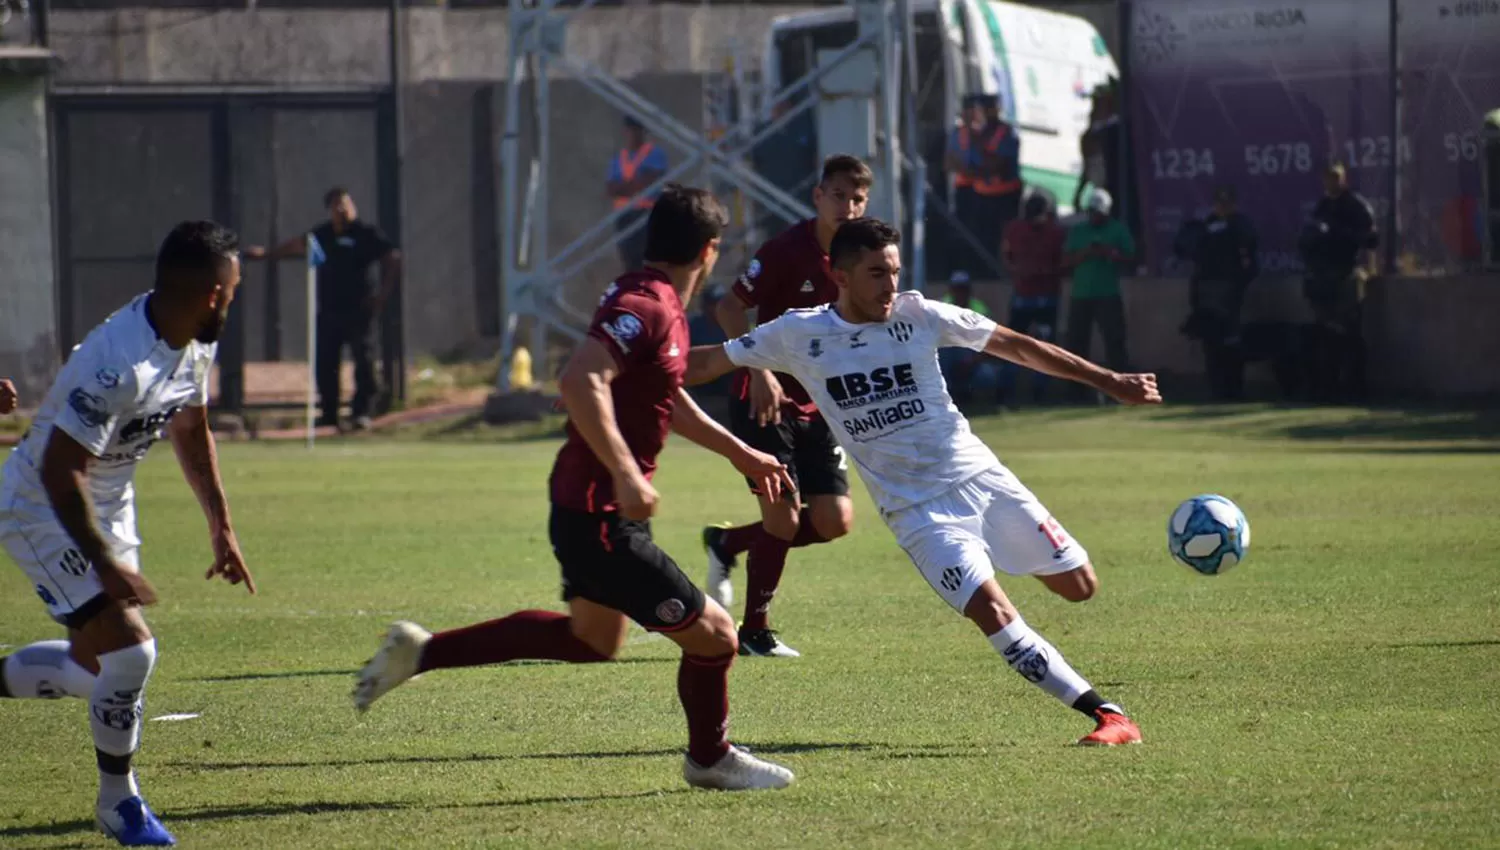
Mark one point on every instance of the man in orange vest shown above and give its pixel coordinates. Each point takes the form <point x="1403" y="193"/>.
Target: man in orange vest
<point x="998" y="182"/>
<point x="633" y="168"/>
<point x="962" y="161"/>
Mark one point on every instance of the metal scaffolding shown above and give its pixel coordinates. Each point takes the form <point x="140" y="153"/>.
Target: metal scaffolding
<point x="531" y="267"/>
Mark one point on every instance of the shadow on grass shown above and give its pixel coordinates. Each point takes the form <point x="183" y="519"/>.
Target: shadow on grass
<point x="792" y="748"/>
<point x="1445" y="644"/>
<point x="218" y="813"/>
<point x="1415" y="425"/>
<point x="311" y="674"/>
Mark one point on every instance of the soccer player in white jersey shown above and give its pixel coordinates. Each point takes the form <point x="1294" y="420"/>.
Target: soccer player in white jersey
<point x="67" y="503"/>
<point x="870" y="362"/>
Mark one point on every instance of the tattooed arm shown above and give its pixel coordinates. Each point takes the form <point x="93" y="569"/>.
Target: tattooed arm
<point x="199" y="458"/>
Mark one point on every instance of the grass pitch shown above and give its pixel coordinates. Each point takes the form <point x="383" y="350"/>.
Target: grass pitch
<point x="1339" y="689"/>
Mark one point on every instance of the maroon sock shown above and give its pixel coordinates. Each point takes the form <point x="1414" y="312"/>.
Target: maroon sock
<point x="524" y="634"/>
<point x="762" y="576"/>
<point x="703" y="687"/>
<point x="736" y="541"/>
<point x="807" y="534"/>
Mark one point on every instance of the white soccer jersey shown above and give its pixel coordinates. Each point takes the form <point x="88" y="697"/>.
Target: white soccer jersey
<point x="114" y="395"/>
<point x="880" y="389"/>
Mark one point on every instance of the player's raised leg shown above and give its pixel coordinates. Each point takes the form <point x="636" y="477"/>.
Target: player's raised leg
<point x="952" y="540"/>
<point x="1040" y="663"/>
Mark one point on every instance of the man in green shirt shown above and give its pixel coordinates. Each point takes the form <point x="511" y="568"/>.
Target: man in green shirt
<point x="1096" y="250"/>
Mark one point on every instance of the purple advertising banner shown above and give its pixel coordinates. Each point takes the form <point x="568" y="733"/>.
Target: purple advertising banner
<point x="1450" y="78"/>
<point x="1261" y="94"/>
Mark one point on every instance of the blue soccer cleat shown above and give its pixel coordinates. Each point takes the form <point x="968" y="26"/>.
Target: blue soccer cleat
<point x="132" y="823"/>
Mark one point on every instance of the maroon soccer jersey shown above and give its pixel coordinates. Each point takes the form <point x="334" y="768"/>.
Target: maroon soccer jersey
<point x="789" y="271"/>
<point x="640" y="321"/>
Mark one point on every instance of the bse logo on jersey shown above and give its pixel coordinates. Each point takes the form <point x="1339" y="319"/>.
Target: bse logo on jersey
<point x="862" y="389"/>
<point x="858" y="389"/>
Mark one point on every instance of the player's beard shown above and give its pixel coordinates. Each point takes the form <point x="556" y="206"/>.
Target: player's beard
<point x="213" y="326"/>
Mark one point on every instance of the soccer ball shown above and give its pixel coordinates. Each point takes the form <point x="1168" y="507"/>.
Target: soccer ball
<point x="1209" y="534"/>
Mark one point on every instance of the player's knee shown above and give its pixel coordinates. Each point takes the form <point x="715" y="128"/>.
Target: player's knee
<point x="720" y="635"/>
<point x="991" y="612"/>
<point x="605" y="642"/>
<point x="1083" y="586"/>
<point x="836" y="522"/>
<point x="782" y="525"/>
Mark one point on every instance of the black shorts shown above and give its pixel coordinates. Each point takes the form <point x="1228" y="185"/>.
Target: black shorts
<point x="612" y="561"/>
<point x="806" y="446"/>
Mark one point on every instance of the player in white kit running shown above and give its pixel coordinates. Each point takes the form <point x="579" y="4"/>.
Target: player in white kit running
<point x="869" y="360"/>
<point x="67" y="503"/>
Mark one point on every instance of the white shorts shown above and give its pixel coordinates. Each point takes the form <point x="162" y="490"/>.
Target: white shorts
<point x="958" y="539"/>
<point x="66" y="583"/>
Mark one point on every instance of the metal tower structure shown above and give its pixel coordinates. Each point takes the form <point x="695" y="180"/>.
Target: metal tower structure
<point x="538" y="39"/>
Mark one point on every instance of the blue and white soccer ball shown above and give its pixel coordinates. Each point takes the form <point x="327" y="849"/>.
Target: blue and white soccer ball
<point x="1209" y="534"/>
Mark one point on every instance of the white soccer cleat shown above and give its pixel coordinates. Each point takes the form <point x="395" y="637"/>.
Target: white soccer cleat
<point x="718" y="585"/>
<point x="737" y="771"/>
<point x="395" y="662"/>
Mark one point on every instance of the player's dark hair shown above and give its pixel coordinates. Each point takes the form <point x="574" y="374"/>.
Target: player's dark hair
<point x="857" y="236"/>
<point x="333" y="195"/>
<point x="850" y="166"/>
<point x="683" y="220"/>
<point x="192" y="254"/>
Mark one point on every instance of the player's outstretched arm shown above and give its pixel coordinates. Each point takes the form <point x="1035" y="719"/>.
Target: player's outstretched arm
<point x="8" y="397"/>
<point x="1058" y="362"/>
<point x="198" y="455"/>
<point x="584" y="385"/>
<point x="706" y="363"/>
<point x="65" y="475"/>
<point x="689" y="420"/>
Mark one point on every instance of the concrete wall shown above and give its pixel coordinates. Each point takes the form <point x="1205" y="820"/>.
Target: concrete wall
<point x="350" y="47"/>
<point x="28" y="314"/>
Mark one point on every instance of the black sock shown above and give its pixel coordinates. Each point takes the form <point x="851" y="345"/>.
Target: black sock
<point x="4" y="691"/>
<point x="1090" y="704"/>
<point x="116" y="765"/>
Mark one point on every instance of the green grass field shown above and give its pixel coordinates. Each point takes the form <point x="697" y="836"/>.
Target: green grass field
<point x="1339" y="689"/>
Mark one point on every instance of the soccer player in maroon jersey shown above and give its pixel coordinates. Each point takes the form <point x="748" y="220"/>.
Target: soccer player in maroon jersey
<point x="773" y="413"/>
<point x="623" y="391"/>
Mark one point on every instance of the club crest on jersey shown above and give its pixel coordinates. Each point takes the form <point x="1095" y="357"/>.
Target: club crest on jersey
<point x="807" y="286"/>
<point x="107" y="378"/>
<point x="899" y="331"/>
<point x="622" y="330"/>
<point x="90" y="408"/>
<point x="815" y="348"/>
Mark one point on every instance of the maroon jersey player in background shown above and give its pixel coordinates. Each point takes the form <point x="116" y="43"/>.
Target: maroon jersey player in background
<point x="623" y="391"/>
<point x="773" y="413"/>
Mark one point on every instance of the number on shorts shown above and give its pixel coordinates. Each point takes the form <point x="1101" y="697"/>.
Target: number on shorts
<point x="1054" y="533"/>
<point x="843" y="461"/>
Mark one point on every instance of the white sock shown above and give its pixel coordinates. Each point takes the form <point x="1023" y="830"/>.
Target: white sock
<point x="43" y="670"/>
<point x="1029" y="654"/>
<point x="115" y="709"/>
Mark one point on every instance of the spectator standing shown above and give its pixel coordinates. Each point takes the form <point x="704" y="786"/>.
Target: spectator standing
<point x="347" y="308"/>
<point x="637" y="165"/>
<point x="1032" y="250"/>
<point x="1340" y="229"/>
<point x="1224" y="255"/>
<point x="1096" y="248"/>
<point x="962" y="160"/>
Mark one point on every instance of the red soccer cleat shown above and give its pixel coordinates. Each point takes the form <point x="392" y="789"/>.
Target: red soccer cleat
<point x="1113" y="730"/>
